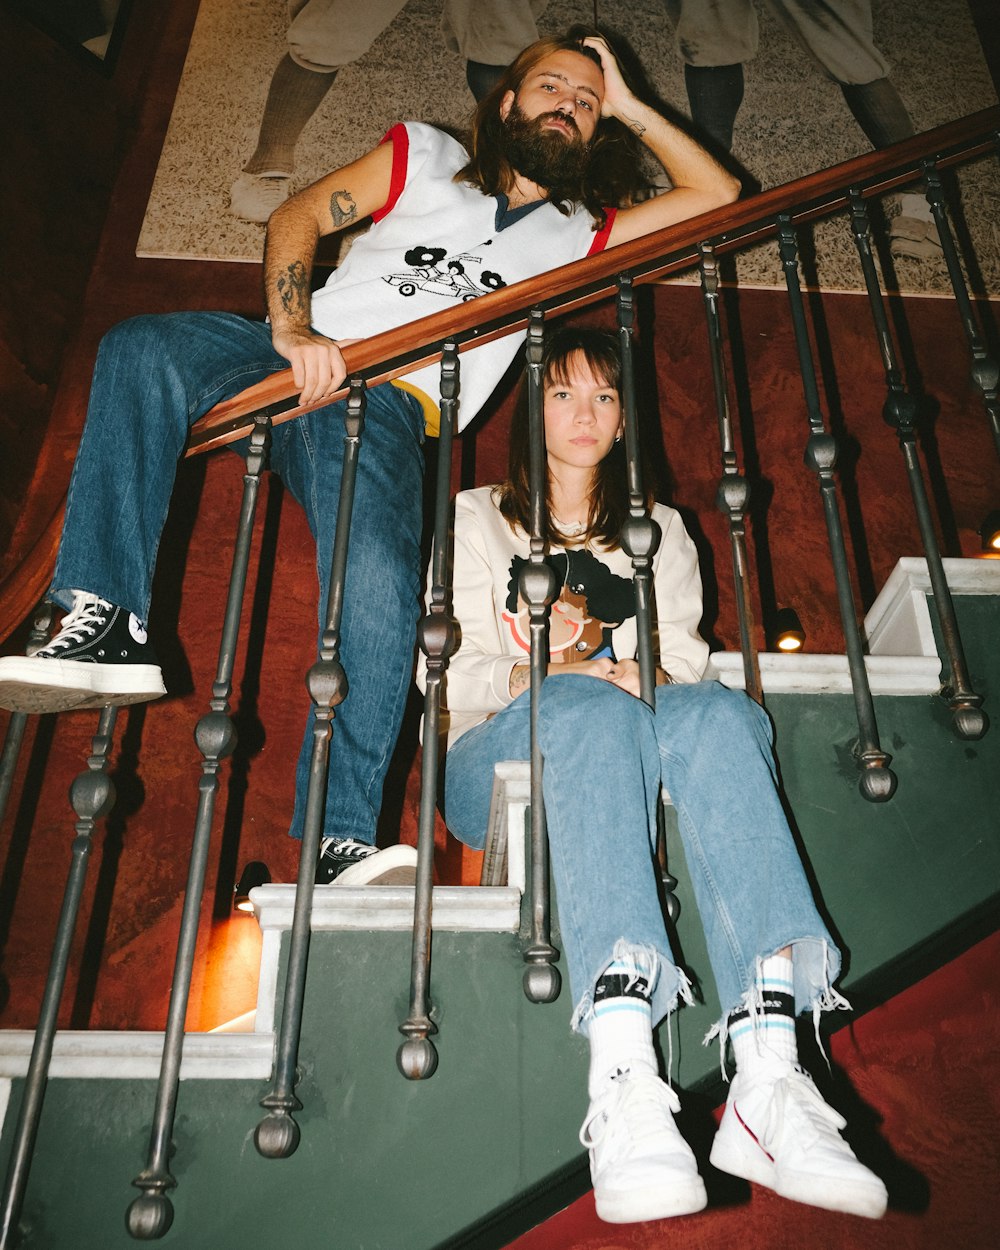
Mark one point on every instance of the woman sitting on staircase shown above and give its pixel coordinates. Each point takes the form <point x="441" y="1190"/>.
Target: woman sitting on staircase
<point x="606" y="756"/>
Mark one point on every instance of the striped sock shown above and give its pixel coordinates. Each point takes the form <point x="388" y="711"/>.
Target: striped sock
<point x="773" y="1031"/>
<point x="620" y="1027"/>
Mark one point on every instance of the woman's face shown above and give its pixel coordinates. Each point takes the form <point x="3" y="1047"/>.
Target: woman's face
<point x="583" y="416"/>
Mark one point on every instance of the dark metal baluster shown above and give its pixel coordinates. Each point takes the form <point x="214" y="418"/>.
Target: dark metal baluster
<point x="985" y="367"/>
<point x="901" y="412"/>
<point x="277" y="1134"/>
<point x="640" y="533"/>
<point x="38" y="636"/>
<point x="416" y="1057"/>
<point x="877" y="782"/>
<point x="640" y="540"/>
<point x="92" y="795"/>
<point x="150" y="1215"/>
<point x="733" y="495"/>
<point x="537" y="585"/>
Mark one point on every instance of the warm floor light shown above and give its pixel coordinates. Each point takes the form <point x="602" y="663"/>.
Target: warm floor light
<point x="254" y="874"/>
<point x="990" y="531"/>
<point x="788" y="632"/>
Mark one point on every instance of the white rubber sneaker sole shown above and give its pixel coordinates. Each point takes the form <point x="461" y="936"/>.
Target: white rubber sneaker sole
<point x="653" y="1202"/>
<point x="29" y="684"/>
<point x="254" y="197"/>
<point x="737" y="1152"/>
<point x="396" y="865"/>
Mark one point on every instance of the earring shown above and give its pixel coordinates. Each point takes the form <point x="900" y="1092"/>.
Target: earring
<point x="618" y="438"/>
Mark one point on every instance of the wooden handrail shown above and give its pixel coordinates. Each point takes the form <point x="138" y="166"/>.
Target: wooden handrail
<point x="587" y="281"/>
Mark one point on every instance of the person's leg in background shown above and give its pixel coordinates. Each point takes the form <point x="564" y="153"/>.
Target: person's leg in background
<point x="714" y="39"/>
<point x="839" y="35"/>
<point x="489" y="34"/>
<point x="323" y="36"/>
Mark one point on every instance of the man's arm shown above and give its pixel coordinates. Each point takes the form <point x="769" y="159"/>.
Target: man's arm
<point x="698" y="182"/>
<point x="336" y="201"/>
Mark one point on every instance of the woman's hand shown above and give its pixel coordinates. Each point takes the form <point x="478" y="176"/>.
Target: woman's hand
<point x="625" y="675"/>
<point x="621" y="673"/>
<point x="586" y="668"/>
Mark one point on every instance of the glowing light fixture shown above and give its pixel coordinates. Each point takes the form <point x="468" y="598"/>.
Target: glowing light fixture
<point x="990" y="531"/>
<point x="254" y="874"/>
<point x="788" y="632"/>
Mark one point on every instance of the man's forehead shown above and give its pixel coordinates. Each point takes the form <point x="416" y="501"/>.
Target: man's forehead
<point x="572" y="68"/>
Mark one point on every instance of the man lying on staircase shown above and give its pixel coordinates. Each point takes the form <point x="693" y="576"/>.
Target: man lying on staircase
<point x="534" y="189"/>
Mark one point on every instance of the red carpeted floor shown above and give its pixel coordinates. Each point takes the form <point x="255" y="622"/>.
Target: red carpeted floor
<point x="919" y="1079"/>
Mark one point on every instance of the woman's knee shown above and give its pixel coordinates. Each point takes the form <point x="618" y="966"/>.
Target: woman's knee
<point x="709" y="710"/>
<point x="573" y="705"/>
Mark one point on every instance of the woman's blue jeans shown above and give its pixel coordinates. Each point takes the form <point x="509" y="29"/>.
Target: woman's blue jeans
<point x="153" y="378"/>
<point x="605" y="756"/>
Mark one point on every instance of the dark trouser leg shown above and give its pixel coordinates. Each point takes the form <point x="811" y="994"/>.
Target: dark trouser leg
<point x="879" y="111"/>
<point x="715" y="93"/>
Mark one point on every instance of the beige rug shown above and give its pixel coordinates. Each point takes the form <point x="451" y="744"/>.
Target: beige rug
<point x="793" y="120"/>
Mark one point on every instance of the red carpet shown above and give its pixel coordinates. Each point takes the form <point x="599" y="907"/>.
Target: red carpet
<point x="919" y="1079"/>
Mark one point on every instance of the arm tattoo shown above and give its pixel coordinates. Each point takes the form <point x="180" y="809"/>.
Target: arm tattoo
<point x="293" y="288"/>
<point x="520" y="678"/>
<point x="636" y="127"/>
<point x="343" y="210"/>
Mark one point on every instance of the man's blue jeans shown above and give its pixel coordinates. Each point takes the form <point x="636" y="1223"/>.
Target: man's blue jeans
<point x="153" y="378"/>
<point x="606" y="754"/>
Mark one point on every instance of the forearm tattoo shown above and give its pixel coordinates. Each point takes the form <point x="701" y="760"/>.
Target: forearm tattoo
<point x="636" y="127"/>
<point x="343" y="210"/>
<point x="520" y="678"/>
<point x="293" y="288"/>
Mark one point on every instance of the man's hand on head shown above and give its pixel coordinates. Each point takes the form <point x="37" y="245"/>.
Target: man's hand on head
<point x="317" y="363"/>
<point x="617" y="96"/>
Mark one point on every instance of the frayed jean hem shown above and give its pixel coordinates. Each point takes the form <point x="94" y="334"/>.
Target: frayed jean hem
<point x="815" y="966"/>
<point x="666" y="981"/>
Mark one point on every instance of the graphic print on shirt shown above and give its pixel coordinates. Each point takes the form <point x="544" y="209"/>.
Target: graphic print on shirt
<point x="461" y="277"/>
<point x="591" y="602"/>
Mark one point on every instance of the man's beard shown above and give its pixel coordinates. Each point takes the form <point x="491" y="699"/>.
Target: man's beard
<point x="552" y="159"/>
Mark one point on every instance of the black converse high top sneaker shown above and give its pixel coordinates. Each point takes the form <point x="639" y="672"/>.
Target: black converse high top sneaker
<point x="100" y="655"/>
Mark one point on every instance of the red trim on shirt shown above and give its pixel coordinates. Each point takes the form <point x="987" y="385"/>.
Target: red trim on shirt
<point x="601" y="237"/>
<point x="400" y="140"/>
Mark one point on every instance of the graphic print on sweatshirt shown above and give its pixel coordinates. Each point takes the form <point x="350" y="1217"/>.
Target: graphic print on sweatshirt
<point x="460" y="277"/>
<point x="590" y="603"/>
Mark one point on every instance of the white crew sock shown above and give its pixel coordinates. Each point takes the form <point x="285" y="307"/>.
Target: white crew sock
<point x="769" y="1029"/>
<point x="620" y="1028"/>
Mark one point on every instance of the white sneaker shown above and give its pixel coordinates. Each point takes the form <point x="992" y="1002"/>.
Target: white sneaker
<point x="254" y="197"/>
<point x="641" y="1167"/>
<point x="912" y="228"/>
<point x="776" y="1130"/>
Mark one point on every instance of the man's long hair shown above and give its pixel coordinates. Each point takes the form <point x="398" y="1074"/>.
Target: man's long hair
<point x="609" y="502"/>
<point x="613" y="176"/>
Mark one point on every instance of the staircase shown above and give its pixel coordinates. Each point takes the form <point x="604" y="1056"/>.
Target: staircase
<point x="488" y="1145"/>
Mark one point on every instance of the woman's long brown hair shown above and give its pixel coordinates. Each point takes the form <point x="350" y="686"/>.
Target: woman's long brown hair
<point x="609" y="502"/>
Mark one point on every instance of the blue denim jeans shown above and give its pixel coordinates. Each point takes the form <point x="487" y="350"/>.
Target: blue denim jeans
<point x="153" y="378"/>
<point x="605" y="756"/>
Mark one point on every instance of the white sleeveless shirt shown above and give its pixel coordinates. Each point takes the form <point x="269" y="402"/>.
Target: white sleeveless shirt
<point x="436" y="243"/>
